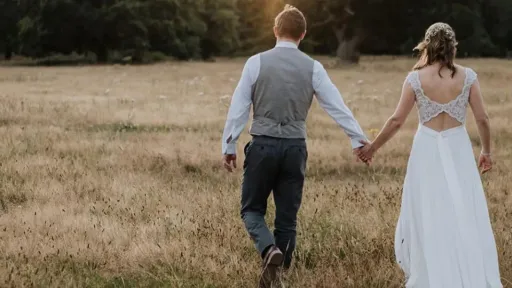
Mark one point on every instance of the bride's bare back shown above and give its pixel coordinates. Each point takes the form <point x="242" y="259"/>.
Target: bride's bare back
<point x="442" y="90"/>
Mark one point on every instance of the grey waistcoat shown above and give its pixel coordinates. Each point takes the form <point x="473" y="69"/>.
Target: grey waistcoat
<point x="282" y="94"/>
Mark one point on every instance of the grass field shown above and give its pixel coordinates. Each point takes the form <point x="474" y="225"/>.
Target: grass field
<point x="110" y="176"/>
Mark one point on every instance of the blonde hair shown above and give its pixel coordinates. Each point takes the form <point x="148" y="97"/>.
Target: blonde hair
<point x="290" y="23"/>
<point x="439" y="46"/>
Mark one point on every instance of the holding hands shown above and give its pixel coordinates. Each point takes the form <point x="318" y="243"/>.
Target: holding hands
<point x="366" y="152"/>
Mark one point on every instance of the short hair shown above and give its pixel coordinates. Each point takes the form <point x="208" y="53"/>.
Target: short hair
<point x="290" y="23"/>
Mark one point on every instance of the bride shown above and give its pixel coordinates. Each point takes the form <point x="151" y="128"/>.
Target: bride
<point x="444" y="237"/>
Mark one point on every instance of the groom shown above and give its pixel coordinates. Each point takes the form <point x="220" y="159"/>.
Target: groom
<point x="279" y="84"/>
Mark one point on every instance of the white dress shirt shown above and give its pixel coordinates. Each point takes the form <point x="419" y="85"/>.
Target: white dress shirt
<point x="326" y="93"/>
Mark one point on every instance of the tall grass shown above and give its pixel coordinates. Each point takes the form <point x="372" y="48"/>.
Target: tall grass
<point x="110" y="177"/>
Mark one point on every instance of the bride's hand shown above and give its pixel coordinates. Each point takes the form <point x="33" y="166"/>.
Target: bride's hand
<point x="366" y="152"/>
<point x="485" y="163"/>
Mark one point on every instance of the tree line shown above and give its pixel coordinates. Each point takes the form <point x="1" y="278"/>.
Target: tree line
<point x="202" y="29"/>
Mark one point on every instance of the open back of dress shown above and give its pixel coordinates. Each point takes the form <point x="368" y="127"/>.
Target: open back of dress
<point x="429" y="109"/>
<point x="444" y="237"/>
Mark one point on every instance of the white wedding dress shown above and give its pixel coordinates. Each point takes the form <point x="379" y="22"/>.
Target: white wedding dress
<point x="444" y="237"/>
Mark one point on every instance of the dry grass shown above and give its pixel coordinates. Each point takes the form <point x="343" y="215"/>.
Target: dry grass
<point x="110" y="177"/>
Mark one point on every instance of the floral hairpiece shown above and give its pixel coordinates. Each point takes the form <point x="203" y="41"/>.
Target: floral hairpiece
<point x="436" y="28"/>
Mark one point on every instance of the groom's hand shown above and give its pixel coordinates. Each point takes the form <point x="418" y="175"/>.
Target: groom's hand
<point x="362" y="152"/>
<point x="229" y="162"/>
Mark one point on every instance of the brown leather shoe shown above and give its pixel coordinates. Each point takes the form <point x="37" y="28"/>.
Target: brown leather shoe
<point x="273" y="259"/>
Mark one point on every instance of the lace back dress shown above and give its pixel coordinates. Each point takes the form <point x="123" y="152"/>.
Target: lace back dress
<point x="429" y="109"/>
<point x="444" y="237"/>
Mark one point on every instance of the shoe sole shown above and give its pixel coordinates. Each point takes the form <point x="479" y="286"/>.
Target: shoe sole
<point x="269" y="271"/>
<point x="276" y="259"/>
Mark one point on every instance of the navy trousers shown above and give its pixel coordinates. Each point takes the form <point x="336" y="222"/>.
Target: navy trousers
<point x="273" y="165"/>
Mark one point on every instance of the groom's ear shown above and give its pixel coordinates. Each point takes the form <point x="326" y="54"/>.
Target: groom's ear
<point x="303" y="35"/>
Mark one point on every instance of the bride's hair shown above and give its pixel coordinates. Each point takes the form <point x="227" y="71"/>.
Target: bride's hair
<point x="439" y="46"/>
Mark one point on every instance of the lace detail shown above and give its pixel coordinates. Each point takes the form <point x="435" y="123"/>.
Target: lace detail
<point x="428" y="109"/>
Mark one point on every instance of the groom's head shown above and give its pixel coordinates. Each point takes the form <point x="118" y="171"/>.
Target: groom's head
<point x="290" y="24"/>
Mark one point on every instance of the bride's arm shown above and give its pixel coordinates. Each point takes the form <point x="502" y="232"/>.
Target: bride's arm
<point x="481" y="118"/>
<point x="484" y="128"/>
<point x="393" y="124"/>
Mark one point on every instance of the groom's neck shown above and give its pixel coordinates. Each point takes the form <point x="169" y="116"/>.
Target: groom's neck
<point x="285" y="39"/>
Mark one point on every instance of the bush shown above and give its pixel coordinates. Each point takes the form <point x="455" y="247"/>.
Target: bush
<point x="65" y="60"/>
<point x="72" y="59"/>
<point x="127" y="57"/>
<point x="156" y="56"/>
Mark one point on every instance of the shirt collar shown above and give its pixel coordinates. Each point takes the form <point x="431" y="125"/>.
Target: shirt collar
<point x="286" y="44"/>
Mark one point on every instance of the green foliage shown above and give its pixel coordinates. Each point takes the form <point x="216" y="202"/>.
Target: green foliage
<point x="175" y="27"/>
<point x="497" y="19"/>
<point x="221" y="20"/>
<point x="8" y="30"/>
<point x="256" y="22"/>
<point x="29" y="37"/>
<point x="202" y="29"/>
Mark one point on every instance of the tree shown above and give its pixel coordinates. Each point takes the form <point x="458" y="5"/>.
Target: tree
<point x="256" y="24"/>
<point x="497" y="19"/>
<point x="187" y="29"/>
<point x="126" y="28"/>
<point x="395" y="26"/>
<point x="352" y="24"/>
<point x="8" y="27"/>
<point x="221" y="19"/>
<point x="66" y="26"/>
<point x="175" y="27"/>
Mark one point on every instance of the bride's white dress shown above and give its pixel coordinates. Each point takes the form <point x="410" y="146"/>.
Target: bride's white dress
<point x="444" y="237"/>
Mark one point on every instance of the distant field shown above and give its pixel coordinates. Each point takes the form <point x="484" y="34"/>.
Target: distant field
<point x="110" y="176"/>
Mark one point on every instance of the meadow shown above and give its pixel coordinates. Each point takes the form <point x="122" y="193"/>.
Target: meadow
<point x="110" y="176"/>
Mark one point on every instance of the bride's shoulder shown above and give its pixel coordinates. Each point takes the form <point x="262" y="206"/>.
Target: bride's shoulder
<point x="465" y="69"/>
<point x="412" y="77"/>
<point x="470" y="74"/>
<point x="412" y="81"/>
<point x="411" y="74"/>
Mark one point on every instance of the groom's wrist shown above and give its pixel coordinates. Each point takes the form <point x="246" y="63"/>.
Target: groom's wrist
<point x="229" y="149"/>
<point x="356" y="142"/>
